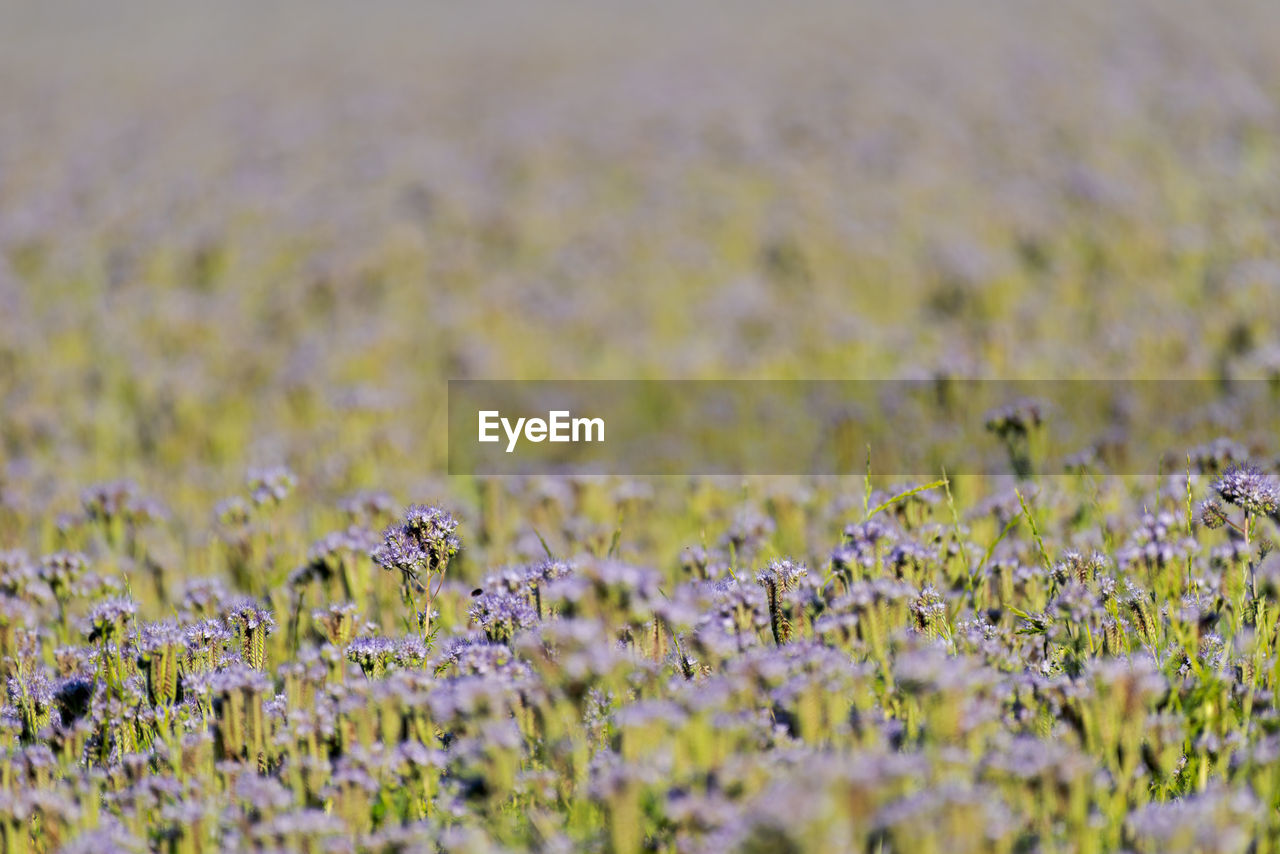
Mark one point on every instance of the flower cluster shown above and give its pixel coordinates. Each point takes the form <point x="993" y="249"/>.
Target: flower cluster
<point x="921" y="678"/>
<point x="420" y="545"/>
<point x="214" y="259"/>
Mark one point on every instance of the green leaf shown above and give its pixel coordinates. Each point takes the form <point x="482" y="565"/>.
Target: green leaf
<point x="546" y="548"/>
<point x="910" y="492"/>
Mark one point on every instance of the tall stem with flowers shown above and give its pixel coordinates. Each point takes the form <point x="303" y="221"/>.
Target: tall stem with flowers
<point x="1256" y="494"/>
<point x="419" y="549"/>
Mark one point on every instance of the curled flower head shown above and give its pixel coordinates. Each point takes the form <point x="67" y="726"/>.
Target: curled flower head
<point x="246" y="614"/>
<point x="410" y="651"/>
<point x="1078" y="567"/>
<point x="156" y="637"/>
<point x="207" y="634"/>
<point x="1212" y="515"/>
<point x="372" y="654"/>
<point x="252" y="624"/>
<point x="929" y="610"/>
<point x="423" y="543"/>
<point x="501" y="615"/>
<point x="431" y="527"/>
<point x="109" y="619"/>
<point x="1249" y="488"/>
<point x="781" y="575"/>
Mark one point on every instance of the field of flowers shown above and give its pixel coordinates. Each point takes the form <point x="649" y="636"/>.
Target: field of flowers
<point x="243" y="246"/>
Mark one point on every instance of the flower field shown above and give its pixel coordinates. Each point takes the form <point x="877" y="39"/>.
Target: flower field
<point x="244" y="607"/>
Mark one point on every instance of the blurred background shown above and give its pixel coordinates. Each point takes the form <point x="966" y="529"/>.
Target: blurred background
<point x="266" y="233"/>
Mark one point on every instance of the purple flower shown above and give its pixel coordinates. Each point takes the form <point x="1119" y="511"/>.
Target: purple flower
<point x="270" y="485"/>
<point x="422" y="544"/>
<point x="1249" y="488"/>
<point x="109" y="619"/>
<point x="501" y="615"/>
<point x="372" y="654"/>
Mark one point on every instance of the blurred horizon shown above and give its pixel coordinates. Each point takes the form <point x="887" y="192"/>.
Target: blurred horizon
<point x="241" y="234"/>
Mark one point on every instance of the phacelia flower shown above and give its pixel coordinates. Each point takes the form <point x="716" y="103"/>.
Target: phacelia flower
<point x="422" y="544"/>
<point x="1249" y="488"/>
